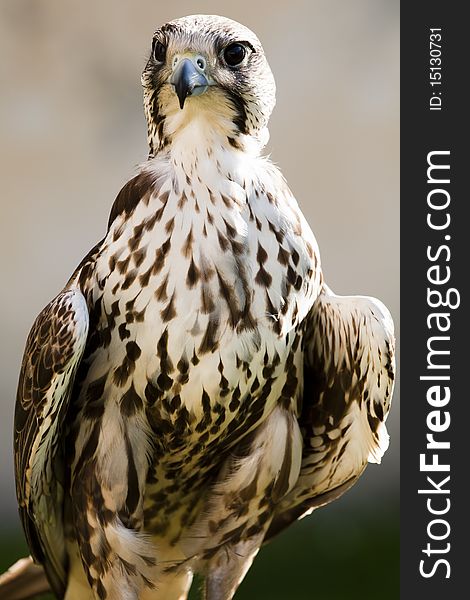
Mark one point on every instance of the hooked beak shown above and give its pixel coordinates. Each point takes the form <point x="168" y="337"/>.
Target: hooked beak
<point x="188" y="80"/>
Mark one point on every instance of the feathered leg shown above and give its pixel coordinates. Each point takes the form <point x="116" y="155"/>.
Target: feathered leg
<point x="229" y="566"/>
<point x="108" y="479"/>
<point x="240" y="506"/>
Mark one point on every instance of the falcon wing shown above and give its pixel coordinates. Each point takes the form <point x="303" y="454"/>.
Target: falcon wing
<point x="349" y="371"/>
<point x="53" y="351"/>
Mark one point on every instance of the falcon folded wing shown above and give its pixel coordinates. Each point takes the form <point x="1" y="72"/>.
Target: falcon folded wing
<point x="53" y="351"/>
<point x="349" y="371"/>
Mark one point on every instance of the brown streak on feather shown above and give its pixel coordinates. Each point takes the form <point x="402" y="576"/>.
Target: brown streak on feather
<point x="227" y="292"/>
<point x="169" y="312"/>
<point x="209" y="342"/>
<point x="193" y="275"/>
<point x="188" y="245"/>
<point x="138" y="189"/>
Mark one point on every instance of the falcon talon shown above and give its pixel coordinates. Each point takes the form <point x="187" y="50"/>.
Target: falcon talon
<point x="195" y="387"/>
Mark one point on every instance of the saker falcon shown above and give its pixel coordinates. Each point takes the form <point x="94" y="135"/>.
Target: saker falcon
<point x="195" y="387"/>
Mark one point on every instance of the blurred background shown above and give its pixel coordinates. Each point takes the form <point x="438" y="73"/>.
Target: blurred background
<point x="72" y="131"/>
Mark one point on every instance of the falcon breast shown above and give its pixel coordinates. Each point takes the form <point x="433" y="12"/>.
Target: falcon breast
<point x="195" y="387"/>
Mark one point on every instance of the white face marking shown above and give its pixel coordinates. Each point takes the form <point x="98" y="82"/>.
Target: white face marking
<point x="239" y="97"/>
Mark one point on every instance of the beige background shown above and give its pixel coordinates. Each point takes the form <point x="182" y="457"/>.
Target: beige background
<point x="72" y="130"/>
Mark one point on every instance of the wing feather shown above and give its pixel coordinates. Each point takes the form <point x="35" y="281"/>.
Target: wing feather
<point x="53" y="351"/>
<point x="349" y="372"/>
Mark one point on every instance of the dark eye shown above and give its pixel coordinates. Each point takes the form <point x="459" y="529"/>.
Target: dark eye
<point x="234" y="54"/>
<point x="159" y="51"/>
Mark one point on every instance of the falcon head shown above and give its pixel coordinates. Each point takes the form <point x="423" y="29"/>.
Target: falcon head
<point x="210" y="69"/>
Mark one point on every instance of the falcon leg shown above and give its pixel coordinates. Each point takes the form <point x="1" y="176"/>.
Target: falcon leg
<point x="106" y="497"/>
<point x="228" y="568"/>
<point x="260" y="472"/>
<point x="118" y="562"/>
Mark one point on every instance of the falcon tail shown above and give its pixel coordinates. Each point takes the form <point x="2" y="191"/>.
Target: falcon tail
<point x="23" y="580"/>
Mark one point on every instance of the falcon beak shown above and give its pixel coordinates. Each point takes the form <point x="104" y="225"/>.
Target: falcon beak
<point x="189" y="78"/>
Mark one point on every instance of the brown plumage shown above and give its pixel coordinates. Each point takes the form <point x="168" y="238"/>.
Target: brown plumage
<point x="195" y="387"/>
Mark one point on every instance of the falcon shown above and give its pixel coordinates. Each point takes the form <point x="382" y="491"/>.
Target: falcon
<point x="196" y="386"/>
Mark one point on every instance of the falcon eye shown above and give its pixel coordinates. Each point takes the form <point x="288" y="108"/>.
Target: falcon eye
<point x="159" y="52"/>
<point x="234" y="54"/>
